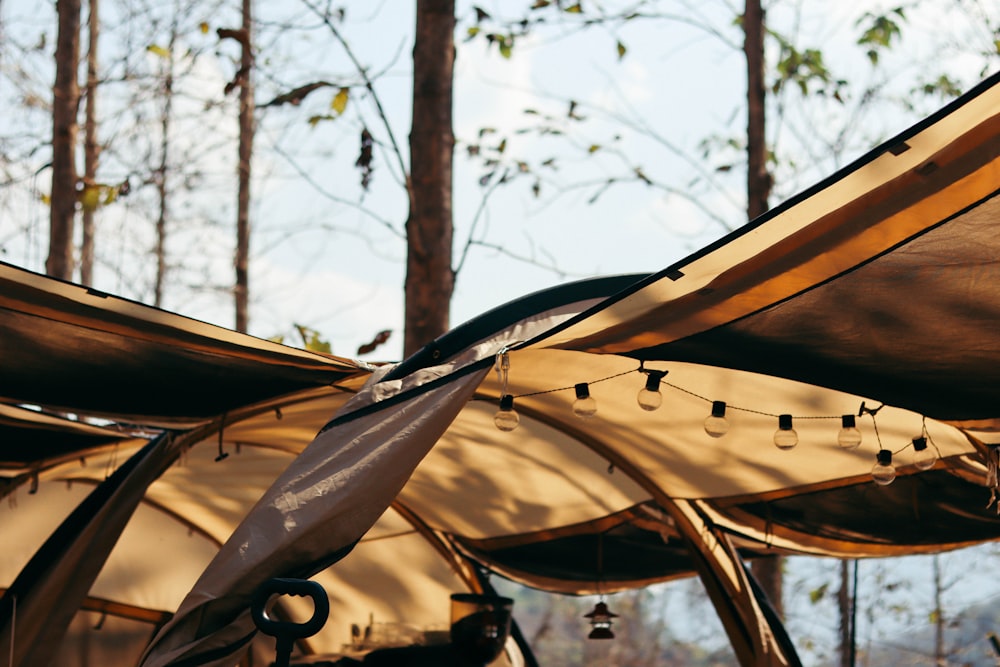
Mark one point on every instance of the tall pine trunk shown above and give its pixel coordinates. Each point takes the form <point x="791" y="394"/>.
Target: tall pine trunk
<point x="163" y="172"/>
<point x="242" y="261"/>
<point x="768" y="571"/>
<point x="65" y="103"/>
<point x="758" y="176"/>
<point x="940" y="655"/>
<point x="91" y="149"/>
<point x="430" y="278"/>
<point x="846" y="597"/>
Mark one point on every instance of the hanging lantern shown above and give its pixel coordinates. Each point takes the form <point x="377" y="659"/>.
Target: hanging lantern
<point x="600" y="619"/>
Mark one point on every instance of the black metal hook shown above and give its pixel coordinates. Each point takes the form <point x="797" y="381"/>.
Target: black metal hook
<point x="286" y="632"/>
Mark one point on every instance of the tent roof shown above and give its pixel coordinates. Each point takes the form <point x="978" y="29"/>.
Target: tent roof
<point x="73" y="348"/>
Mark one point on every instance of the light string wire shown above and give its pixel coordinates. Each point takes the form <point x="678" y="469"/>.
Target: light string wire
<point x="572" y="386"/>
<point x="503" y="372"/>
<point x="641" y="369"/>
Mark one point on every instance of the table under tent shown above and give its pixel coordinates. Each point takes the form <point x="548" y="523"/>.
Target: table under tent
<point x="159" y="471"/>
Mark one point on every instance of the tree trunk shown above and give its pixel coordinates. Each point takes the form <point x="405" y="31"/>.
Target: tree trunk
<point x="758" y="177"/>
<point x="845" y="605"/>
<point x="242" y="288"/>
<point x="65" y="102"/>
<point x="430" y="278"/>
<point x="162" y="171"/>
<point x="91" y="150"/>
<point x="766" y="570"/>
<point x="940" y="657"/>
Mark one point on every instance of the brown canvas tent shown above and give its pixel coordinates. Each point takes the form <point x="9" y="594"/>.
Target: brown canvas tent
<point x="872" y="295"/>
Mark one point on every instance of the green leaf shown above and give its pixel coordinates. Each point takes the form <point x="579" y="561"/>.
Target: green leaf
<point x="90" y="197"/>
<point x="502" y="146"/>
<point x="574" y="9"/>
<point x="879" y="33"/>
<point x="158" y="51"/>
<point x="110" y="194"/>
<point x="621" y="50"/>
<point x="339" y="102"/>
<point x="311" y="339"/>
<point x="541" y="4"/>
<point x="943" y="86"/>
<point x="473" y="31"/>
<point x="506" y="46"/>
<point x="593" y="148"/>
<point x="817" y="594"/>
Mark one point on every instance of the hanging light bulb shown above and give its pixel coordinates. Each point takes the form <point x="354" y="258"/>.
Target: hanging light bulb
<point x="924" y="457"/>
<point x="716" y="424"/>
<point x="883" y="472"/>
<point x="785" y="437"/>
<point x="506" y="419"/>
<point x="849" y="437"/>
<point x="649" y="397"/>
<point x="584" y="406"/>
<point x="600" y="619"/>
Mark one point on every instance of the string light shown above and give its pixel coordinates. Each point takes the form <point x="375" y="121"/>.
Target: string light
<point x="924" y="457"/>
<point x="849" y="437"/>
<point x="506" y="418"/>
<point x="649" y="397"/>
<point x="584" y="406"/>
<point x="716" y="424"/>
<point x="883" y="472"/>
<point x="785" y="437"/>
